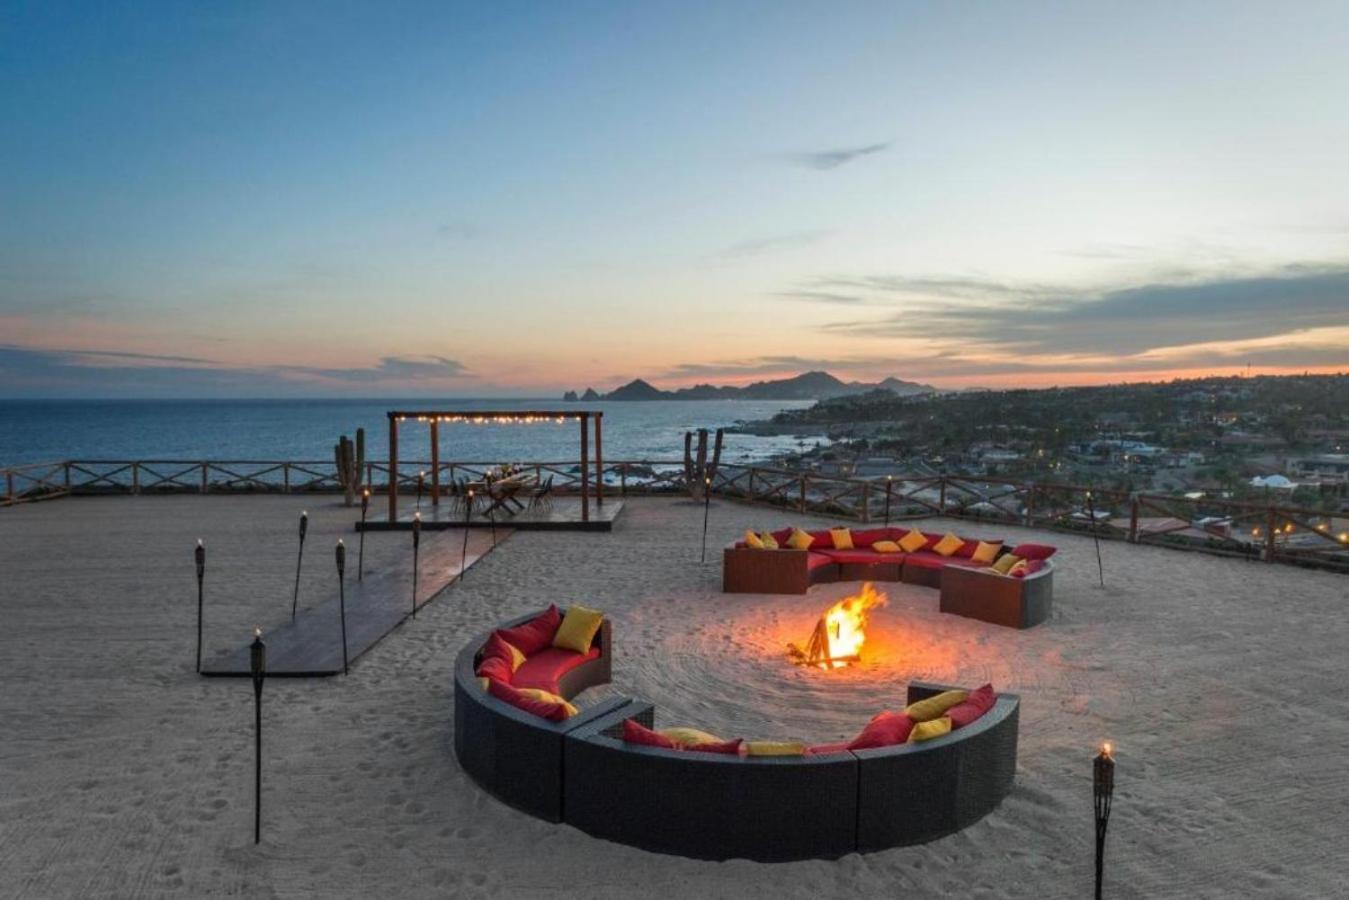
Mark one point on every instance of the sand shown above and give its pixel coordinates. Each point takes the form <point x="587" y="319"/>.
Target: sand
<point x="124" y="774"/>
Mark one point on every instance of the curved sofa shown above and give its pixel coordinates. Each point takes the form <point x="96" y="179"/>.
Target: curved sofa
<point x="718" y="806"/>
<point x="967" y="588"/>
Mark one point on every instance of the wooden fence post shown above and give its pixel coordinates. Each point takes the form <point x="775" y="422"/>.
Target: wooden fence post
<point x="203" y="477"/>
<point x="66" y="467"/>
<point x="9" y="486"/>
<point x="1133" y="518"/>
<point x="803" y="492"/>
<point x="866" y="501"/>
<point x="942" y="501"/>
<point x="285" y="477"/>
<point x="1030" y="503"/>
<point x="1272" y="524"/>
<point x="136" y="478"/>
<point x="750" y="493"/>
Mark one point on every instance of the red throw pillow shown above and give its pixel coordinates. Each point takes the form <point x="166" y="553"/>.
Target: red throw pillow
<point x="781" y="536"/>
<point x="977" y="703"/>
<point x="635" y="732"/>
<point x="932" y="540"/>
<point x="823" y="540"/>
<point x="1034" y="551"/>
<point x="536" y="634"/>
<point x="863" y="540"/>
<point x="1029" y="567"/>
<point x="496" y="669"/>
<point x="967" y="549"/>
<point x="553" y="712"/>
<point x="884" y="730"/>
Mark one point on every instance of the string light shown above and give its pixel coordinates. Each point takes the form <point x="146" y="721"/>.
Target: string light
<point x="503" y="419"/>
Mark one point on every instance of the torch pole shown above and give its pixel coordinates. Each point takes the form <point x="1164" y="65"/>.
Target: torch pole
<point x="491" y="509"/>
<point x="468" y="514"/>
<point x="421" y="480"/>
<point x="342" y="597"/>
<point x="1096" y="537"/>
<point x="200" y="554"/>
<point x="258" y="665"/>
<point x="1103" y="789"/>
<point x="707" y="504"/>
<point x="416" y="545"/>
<point x="295" y="600"/>
<point x="360" y="557"/>
<point x="889" y="489"/>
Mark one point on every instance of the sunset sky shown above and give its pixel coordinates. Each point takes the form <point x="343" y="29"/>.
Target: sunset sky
<point x="256" y="199"/>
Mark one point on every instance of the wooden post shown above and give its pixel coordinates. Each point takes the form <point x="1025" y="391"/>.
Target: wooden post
<point x="623" y="479"/>
<point x="9" y="485"/>
<point x="942" y="494"/>
<point x="1271" y="523"/>
<point x="599" y="459"/>
<point x="203" y="477"/>
<point x="435" y="462"/>
<point x="135" y="478"/>
<point x="393" y="468"/>
<point x="1030" y="503"/>
<point x="751" y="483"/>
<point x="585" y="467"/>
<point x="866" y="501"/>
<point x="803" y="492"/>
<point x="1133" y="518"/>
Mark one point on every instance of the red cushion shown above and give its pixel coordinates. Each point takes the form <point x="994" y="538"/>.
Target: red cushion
<point x="862" y="556"/>
<point x="925" y="559"/>
<point x="978" y="702"/>
<point x="781" y="536"/>
<point x="815" y="560"/>
<point x="553" y="712"/>
<point x="884" y="730"/>
<point x="823" y="540"/>
<point x="870" y="536"/>
<point x="545" y="669"/>
<point x="495" y="668"/>
<point x="1032" y="566"/>
<point x="827" y="749"/>
<point x="537" y="633"/>
<point x="635" y="732"/>
<point x="1034" y="551"/>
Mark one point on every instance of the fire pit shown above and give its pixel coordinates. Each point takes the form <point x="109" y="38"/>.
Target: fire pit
<point x="840" y="632"/>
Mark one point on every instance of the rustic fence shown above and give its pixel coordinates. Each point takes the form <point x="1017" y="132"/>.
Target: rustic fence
<point x="1268" y="531"/>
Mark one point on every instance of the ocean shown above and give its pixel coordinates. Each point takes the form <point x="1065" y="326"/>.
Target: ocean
<point x="48" y="430"/>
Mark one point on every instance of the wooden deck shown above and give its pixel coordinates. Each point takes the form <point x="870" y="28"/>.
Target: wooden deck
<point x="311" y="646"/>
<point x="564" y="514"/>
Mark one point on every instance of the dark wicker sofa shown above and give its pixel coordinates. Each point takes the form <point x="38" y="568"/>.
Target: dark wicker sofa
<point x="513" y="754"/>
<point x="967" y="588"/>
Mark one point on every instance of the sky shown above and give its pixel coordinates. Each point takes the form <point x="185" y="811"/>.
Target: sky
<point x="259" y="199"/>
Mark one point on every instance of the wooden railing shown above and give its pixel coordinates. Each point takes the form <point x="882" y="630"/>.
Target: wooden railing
<point x="1267" y="531"/>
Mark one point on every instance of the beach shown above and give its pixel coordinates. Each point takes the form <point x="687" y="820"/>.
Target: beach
<point x="1219" y="680"/>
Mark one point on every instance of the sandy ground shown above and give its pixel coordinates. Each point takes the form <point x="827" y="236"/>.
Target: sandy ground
<point x="124" y="774"/>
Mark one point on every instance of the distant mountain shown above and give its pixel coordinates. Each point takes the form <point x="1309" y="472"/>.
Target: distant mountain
<point x="806" y="386"/>
<point x="589" y="395"/>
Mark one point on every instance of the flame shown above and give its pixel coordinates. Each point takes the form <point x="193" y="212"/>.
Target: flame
<point x="845" y="625"/>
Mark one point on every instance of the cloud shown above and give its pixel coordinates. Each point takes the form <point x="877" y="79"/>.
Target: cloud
<point x="772" y="244"/>
<point x="821" y="297"/>
<point x="390" y="368"/>
<point x="824" y="160"/>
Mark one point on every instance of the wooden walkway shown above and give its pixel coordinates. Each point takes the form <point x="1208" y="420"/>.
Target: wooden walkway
<point x="311" y="646"/>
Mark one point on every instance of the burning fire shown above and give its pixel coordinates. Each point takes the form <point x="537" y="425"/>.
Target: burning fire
<point x="839" y="634"/>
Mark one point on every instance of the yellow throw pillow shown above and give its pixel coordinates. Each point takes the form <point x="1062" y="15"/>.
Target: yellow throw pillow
<point x="769" y="542"/>
<point x="775" y="748"/>
<point x="885" y="547"/>
<point x="578" y="629"/>
<point x="926" y="731"/>
<point x="1003" y="564"/>
<point x="842" y="538"/>
<point x="546" y="697"/>
<point x="986" y="552"/>
<point x="753" y="541"/>
<point x="690" y="737"/>
<point x="800" y="540"/>
<point x="934" y="706"/>
<point x="913" y="541"/>
<point x="517" y="655"/>
<point x="948" y="544"/>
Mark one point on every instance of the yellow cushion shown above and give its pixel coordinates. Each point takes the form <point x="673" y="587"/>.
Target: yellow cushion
<point x="800" y="540"/>
<point x="483" y="681"/>
<point x="934" y="706"/>
<point x="926" y="731"/>
<point x="948" y="544"/>
<point x="885" y="547"/>
<point x="769" y="542"/>
<point x="753" y="541"/>
<point x="546" y="697"/>
<point x="842" y="538"/>
<point x="775" y="748"/>
<point x="690" y="737"/>
<point x="986" y="552"/>
<point x="578" y="629"/>
<point x="1005" y="562"/>
<point x="517" y="655"/>
<point x="913" y="541"/>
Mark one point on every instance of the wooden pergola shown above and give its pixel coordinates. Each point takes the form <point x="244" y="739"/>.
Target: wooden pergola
<point x="433" y="418"/>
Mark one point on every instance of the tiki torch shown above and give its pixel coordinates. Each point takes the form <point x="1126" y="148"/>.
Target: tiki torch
<point x="468" y="514"/>
<point x="1103" y="788"/>
<point x="707" y="503"/>
<point x="201" y="573"/>
<point x="360" y="557"/>
<point x="416" y="544"/>
<point x="295" y="600"/>
<point x="889" y="489"/>
<point x="1091" y="511"/>
<point x="342" y="597"/>
<point x="258" y="666"/>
